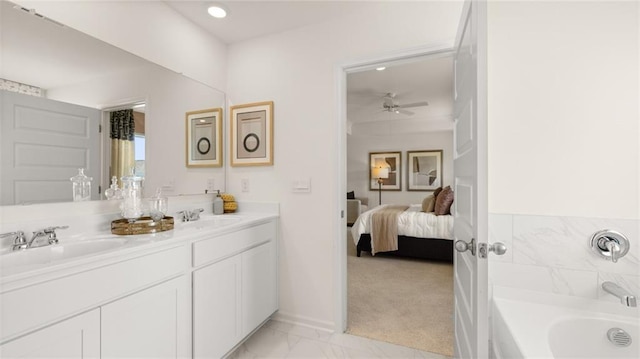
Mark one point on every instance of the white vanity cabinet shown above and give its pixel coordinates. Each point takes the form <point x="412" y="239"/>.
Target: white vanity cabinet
<point x="234" y="287"/>
<point x="136" y="307"/>
<point x="76" y="337"/>
<point x="147" y="323"/>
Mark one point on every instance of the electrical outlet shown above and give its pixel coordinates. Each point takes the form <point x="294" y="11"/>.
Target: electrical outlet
<point x="244" y="183"/>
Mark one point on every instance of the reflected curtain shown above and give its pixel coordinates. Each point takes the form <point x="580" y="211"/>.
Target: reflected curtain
<point x="122" y="148"/>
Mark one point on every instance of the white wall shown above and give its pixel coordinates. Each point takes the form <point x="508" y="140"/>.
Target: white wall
<point x="297" y="70"/>
<point x="168" y="97"/>
<point x="358" y="148"/>
<point x="563" y="108"/>
<point x="149" y="29"/>
<point x="564" y="156"/>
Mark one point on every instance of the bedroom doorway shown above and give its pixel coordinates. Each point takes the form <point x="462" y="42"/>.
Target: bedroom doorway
<point x="396" y="119"/>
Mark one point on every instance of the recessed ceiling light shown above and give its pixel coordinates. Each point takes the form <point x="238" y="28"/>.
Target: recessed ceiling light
<point x="217" y="11"/>
<point x="380" y="68"/>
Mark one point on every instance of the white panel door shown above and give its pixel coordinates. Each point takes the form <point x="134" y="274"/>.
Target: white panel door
<point x="147" y="324"/>
<point x="259" y="285"/>
<point x="77" y="337"/>
<point x="470" y="182"/>
<point x="43" y="143"/>
<point x="216" y="308"/>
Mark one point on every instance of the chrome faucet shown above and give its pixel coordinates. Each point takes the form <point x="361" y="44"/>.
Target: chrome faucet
<point x="19" y="240"/>
<point x="625" y="297"/>
<point x="193" y="215"/>
<point x="49" y="232"/>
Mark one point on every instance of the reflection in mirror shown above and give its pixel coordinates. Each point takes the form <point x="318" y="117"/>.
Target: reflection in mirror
<point x="58" y="87"/>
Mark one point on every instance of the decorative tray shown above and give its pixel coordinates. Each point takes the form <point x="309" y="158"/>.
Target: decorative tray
<point x="142" y="225"/>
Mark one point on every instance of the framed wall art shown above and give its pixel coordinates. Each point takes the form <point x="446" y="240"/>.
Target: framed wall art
<point x="204" y="138"/>
<point x="251" y="134"/>
<point x="424" y="170"/>
<point x="385" y="167"/>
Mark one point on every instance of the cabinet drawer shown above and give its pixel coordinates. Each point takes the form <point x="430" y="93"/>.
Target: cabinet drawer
<point x="219" y="247"/>
<point x="33" y="306"/>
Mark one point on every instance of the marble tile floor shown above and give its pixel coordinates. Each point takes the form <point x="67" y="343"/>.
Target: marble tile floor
<point x="282" y="340"/>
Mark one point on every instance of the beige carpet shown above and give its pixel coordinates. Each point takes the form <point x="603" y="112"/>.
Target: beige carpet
<point x="402" y="301"/>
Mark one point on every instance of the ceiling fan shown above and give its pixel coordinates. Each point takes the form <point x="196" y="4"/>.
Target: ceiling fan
<point x="390" y="105"/>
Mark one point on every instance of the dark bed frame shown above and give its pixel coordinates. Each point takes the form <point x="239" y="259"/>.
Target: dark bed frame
<point x="425" y="248"/>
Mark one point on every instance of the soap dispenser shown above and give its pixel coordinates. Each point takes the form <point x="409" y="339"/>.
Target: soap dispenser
<point x="218" y="204"/>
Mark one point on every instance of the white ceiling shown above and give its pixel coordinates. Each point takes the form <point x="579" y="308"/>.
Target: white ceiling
<point x="429" y="80"/>
<point x="250" y="19"/>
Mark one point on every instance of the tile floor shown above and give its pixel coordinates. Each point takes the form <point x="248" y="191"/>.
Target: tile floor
<point x="282" y="340"/>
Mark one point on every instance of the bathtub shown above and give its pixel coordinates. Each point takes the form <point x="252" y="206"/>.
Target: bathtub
<point x="529" y="324"/>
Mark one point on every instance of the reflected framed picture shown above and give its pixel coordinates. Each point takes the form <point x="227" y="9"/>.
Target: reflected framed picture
<point x="251" y="134"/>
<point x="204" y="138"/>
<point x="385" y="167"/>
<point x="424" y="170"/>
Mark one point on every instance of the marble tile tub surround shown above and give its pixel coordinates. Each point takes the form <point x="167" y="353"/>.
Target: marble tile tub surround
<point x="94" y="217"/>
<point x="552" y="254"/>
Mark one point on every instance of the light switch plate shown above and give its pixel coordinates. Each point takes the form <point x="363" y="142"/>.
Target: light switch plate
<point x="302" y="185"/>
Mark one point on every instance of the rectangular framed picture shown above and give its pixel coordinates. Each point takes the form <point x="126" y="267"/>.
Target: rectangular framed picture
<point x="251" y="134"/>
<point x="424" y="170"/>
<point x="386" y="167"/>
<point x="204" y="138"/>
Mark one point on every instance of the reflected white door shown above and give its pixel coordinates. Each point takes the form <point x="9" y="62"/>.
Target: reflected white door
<point x="44" y="142"/>
<point x="470" y="184"/>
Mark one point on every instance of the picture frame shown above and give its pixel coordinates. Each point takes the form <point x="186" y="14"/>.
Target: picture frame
<point x="251" y="134"/>
<point x="393" y="162"/>
<point x="204" y="138"/>
<point x="424" y="170"/>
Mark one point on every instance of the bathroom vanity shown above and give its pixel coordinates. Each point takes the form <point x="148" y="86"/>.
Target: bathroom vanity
<point x="196" y="291"/>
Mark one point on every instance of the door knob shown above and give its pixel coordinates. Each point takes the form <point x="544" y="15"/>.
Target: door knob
<point x="462" y="246"/>
<point x="498" y="248"/>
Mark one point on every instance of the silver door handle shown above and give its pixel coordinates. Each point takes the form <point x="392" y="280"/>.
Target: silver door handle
<point x="498" y="248"/>
<point x="462" y="246"/>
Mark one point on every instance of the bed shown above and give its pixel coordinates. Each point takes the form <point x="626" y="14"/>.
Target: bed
<point x="420" y="235"/>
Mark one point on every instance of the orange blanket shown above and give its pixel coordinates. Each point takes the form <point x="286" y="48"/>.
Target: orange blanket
<point x="384" y="228"/>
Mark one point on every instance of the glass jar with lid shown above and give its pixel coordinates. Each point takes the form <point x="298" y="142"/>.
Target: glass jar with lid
<point x="81" y="186"/>
<point x="131" y="207"/>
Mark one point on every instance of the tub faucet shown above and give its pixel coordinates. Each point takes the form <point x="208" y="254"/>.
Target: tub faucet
<point x="626" y="298"/>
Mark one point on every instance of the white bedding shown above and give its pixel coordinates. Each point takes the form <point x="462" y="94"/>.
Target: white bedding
<point x="412" y="222"/>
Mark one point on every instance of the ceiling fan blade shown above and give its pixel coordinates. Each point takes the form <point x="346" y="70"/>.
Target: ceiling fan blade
<point x="405" y="112"/>
<point x="415" y="104"/>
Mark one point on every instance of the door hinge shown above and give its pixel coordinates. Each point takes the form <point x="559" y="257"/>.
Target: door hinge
<point x="100" y="128"/>
<point x="342" y="214"/>
<point x="99" y="189"/>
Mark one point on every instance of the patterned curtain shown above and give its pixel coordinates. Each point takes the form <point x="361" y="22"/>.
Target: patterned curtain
<point x="122" y="149"/>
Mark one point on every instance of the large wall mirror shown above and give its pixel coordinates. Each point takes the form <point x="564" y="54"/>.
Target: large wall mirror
<point x="68" y="85"/>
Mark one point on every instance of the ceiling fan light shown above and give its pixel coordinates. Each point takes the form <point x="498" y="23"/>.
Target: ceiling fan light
<point x="217" y="11"/>
<point x="381" y="68"/>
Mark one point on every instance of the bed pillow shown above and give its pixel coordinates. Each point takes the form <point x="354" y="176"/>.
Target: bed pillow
<point x="444" y="201"/>
<point x="428" y="203"/>
<point x="351" y="195"/>
<point x="437" y="192"/>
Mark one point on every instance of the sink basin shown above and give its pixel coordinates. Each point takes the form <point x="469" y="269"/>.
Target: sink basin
<point x="207" y="221"/>
<point x="32" y="258"/>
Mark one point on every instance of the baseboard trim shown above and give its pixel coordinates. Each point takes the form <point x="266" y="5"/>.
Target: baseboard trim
<point x="312" y="323"/>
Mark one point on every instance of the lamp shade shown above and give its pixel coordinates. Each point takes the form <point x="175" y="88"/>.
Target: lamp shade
<point x="380" y="172"/>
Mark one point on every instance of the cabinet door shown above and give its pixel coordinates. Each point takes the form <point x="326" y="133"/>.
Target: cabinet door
<point x="77" y="337"/>
<point x="259" y="285"/>
<point x="216" y="308"/>
<point x="147" y="324"/>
